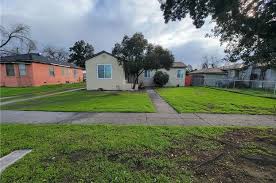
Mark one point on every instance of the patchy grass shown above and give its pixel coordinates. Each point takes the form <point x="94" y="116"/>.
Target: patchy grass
<point x="89" y="101"/>
<point x="207" y="100"/>
<point x="106" y="153"/>
<point x="254" y="92"/>
<point x="37" y="90"/>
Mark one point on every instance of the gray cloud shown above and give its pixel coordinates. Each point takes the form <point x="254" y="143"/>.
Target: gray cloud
<point x="104" y="22"/>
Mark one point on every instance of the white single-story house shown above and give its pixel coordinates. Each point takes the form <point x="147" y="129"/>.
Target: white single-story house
<point x="176" y="74"/>
<point x="103" y="71"/>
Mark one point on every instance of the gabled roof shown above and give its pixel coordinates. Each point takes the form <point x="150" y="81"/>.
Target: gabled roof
<point x="178" y="65"/>
<point x="34" y="57"/>
<point x="209" y="71"/>
<point x="102" y="52"/>
<point x="175" y="64"/>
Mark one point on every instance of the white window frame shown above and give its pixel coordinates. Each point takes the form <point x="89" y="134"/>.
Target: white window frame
<point x="104" y="71"/>
<point x="21" y="69"/>
<point x="52" y="71"/>
<point x="181" y="74"/>
<point x="75" y="73"/>
<point x="147" y="75"/>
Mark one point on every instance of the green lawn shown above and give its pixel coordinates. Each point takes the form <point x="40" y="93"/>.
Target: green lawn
<point x="207" y="100"/>
<point x="89" y="101"/>
<point x="106" y="153"/>
<point x="37" y="90"/>
<point x="253" y="92"/>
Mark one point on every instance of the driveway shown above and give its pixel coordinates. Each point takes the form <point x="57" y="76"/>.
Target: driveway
<point x="186" y="119"/>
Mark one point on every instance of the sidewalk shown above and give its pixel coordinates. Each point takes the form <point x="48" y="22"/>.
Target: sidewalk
<point x="160" y="105"/>
<point x="37" y="97"/>
<point x="186" y="119"/>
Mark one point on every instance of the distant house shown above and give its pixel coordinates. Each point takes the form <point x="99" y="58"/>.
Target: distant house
<point x="36" y="70"/>
<point x="176" y="74"/>
<point x="250" y="72"/>
<point x="104" y="72"/>
<point x="209" y="77"/>
<point x="257" y="76"/>
<point x="247" y="75"/>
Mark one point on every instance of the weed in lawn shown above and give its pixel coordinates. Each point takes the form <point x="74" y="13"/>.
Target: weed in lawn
<point x="207" y="100"/>
<point x="86" y="153"/>
<point x="88" y="101"/>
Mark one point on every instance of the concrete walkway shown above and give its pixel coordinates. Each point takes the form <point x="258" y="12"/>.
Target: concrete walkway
<point x="160" y="105"/>
<point x="39" y="117"/>
<point x="37" y="97"/>
<point x="12" y="158"/>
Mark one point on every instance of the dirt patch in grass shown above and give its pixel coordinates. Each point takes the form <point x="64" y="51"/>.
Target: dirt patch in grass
<point x="244" y="156"/>
<point x="139" y="154"/>
<point x="240" y="155"/>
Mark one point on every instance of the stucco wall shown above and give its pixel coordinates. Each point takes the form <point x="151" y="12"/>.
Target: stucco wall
<point x="271" y="74"/>
<point x="173" y="80"/>
<point x="213" y="79"/>
<point x="117" y="81"/>
<point x="37" y="74"/>
<point x="41" y="75"/>
<point x="16" y="80"/>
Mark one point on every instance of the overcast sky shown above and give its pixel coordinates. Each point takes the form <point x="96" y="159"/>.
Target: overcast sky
<point x="102" y="23"/>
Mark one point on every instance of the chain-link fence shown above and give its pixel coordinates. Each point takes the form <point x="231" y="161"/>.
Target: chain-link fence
<point x="256" y="87"/>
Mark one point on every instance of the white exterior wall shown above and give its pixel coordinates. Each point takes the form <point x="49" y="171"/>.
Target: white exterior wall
<point x="173" y="80"/>
<point x="117" y="81"/>
<point x="271" y="74"/>
<point x="212" y="79"/>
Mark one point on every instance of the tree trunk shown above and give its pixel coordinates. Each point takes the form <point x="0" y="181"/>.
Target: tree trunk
<point x="135" y="82"/>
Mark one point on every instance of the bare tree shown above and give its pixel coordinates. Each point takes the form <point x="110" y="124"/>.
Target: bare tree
<point x="189" y="68"/>
<point x="210" y="62"/>
<point x="16" y="40"/>
<point x="58" y="54"/>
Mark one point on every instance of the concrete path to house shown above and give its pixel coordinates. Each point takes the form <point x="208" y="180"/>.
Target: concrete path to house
<point x="37" y="97"/>
<point x="186" y="119"/>
<point x="160" y="105"/>
<point x="12" y="158"/>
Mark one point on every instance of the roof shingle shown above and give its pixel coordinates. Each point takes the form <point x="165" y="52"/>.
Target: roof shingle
<point x="178" y="65"/>
<point x="34" y="57"/>
<point x="208" y="71"/>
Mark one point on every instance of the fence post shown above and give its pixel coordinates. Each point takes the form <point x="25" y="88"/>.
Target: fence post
<point x="274" y="88"/>
<point x="234" y="84"/>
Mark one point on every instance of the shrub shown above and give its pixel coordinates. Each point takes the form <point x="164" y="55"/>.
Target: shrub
<point x="160" y="78"/>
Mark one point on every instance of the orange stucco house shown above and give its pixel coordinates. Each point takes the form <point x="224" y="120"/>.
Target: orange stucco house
<point x="34" y="69"/>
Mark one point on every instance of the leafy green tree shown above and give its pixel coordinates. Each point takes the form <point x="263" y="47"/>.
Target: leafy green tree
<point x="137" y="55"/>
<point x="80" y="52"/>
<point x="248" y="27"/>
<point x="160" y="78"/>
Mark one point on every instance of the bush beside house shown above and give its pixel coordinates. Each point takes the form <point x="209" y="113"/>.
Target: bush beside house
<point x="161" y="78"/>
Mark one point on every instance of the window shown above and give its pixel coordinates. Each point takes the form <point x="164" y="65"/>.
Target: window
<point x="22" y="69"/>
<point x="180" y="74"/>
<point x="67" y="72"/>
<point x="51" y="70"/>
<point x="75" y="73"/>
<point x="104" y="71"/>
<point x="10" y="70"/>
<point x="62" y="71"/>
<point x="262" y="75"/>
<point x="147" y="74"/>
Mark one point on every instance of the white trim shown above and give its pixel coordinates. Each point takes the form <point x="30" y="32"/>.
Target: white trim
<point x="98" y="73"/>
<point x="25" y="70"/>
<point x="146" y="74"/>
<point x="182" y="73"/>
